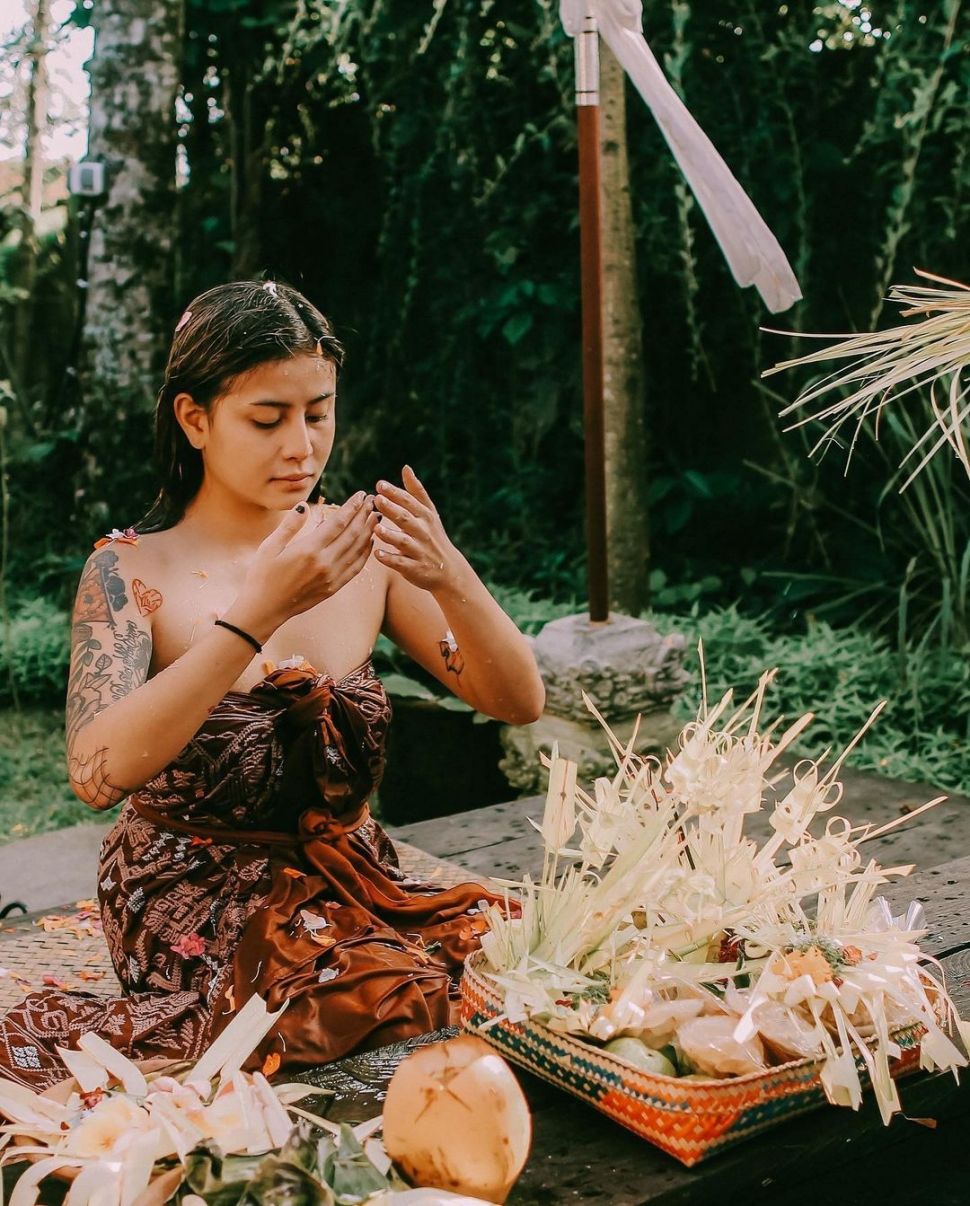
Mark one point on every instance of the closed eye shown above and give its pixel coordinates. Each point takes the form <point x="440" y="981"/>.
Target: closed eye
<point x="314" y="419"/>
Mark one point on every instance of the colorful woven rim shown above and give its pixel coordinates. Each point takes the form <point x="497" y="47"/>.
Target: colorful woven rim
<point x="690" y="1120"/>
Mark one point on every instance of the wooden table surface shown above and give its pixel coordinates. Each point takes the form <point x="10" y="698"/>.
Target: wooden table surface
<point x="581" y="1156"/>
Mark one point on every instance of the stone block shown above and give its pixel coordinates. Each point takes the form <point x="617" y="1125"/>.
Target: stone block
<point x="624" y="665"/>
<point x="583" y="742"/>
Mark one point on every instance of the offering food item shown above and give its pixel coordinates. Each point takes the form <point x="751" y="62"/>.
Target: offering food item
<point x="641" y="1056"/>
<point x="710" y="1046"/>
<point x="135" y="1135"/>
<point x="456" y="1119"/>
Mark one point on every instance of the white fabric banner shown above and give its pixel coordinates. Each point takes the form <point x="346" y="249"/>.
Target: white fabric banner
<point x="753" y="253"/>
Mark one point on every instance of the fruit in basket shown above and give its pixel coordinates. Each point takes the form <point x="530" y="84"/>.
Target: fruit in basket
<point x="712" y="1048"/>
<point x="636" y="1052"/>
<point x="455" y="1118"/>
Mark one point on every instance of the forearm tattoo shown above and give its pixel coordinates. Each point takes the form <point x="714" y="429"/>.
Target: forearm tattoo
<point x="454" y="660"/>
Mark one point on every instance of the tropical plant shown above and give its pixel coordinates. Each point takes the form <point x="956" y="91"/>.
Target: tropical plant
<point x="887" y="366"/>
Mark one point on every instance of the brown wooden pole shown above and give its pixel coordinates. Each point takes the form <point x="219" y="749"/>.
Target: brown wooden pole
<point x="591" y="273"/>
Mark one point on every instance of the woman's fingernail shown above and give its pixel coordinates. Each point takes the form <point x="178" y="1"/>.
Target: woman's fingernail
<point x="301" y="507"/>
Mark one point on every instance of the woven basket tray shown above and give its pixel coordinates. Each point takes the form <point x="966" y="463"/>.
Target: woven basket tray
<point x="690" y="1120"/>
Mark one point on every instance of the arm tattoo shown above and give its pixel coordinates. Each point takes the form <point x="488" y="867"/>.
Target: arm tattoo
<point x="90" y="780"/>
<point x="133" y="648"/>
<point x="454" y="660"/>
<point x="147" y="598"/>
<point x="101" y="590"/>
<point x="88" y="680"/>
<point x="92" y="686"/>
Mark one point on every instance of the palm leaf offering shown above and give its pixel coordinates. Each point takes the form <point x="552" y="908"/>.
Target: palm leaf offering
<point x="662" y="930"/>
<point x="929" y="356"/>
<point x="205" y="1133"/>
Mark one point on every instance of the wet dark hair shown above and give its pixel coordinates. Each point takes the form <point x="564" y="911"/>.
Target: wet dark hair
<point x="224" y="333"/>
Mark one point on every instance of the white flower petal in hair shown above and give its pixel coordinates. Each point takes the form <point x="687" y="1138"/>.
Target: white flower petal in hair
<point x="183" y="320"/>
<point x="270" y="287"/>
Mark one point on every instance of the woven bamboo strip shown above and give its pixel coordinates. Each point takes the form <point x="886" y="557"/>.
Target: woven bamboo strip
<point x="690" y="1120"/>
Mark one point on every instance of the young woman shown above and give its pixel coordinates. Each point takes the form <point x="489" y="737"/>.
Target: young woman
<point x="221" y="686"/>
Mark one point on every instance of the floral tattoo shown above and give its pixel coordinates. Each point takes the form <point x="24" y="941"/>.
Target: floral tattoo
<point x="106" y="665"/>
<point x="101" y="591"/>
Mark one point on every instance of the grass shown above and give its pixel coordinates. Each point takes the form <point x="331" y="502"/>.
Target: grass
<point x="34" y="792"/>
<point x="840" y="674"/>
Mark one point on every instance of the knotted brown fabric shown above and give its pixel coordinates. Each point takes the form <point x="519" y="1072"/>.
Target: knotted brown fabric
<point x="251" y="865"/>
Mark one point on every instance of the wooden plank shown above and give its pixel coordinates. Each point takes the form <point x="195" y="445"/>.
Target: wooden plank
<point x="450" y="837"/>
<point x="944" y="892"/>
<point x="579" y="1155"/>
<point x="510" y="859"/>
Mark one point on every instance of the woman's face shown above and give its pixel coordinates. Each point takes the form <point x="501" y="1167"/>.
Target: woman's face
<point x="268" y="438"/>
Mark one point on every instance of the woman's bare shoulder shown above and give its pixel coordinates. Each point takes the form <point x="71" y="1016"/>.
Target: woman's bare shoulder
<point x="131" y="554"/>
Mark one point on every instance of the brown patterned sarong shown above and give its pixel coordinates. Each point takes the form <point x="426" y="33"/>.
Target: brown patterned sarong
<point x="251" y="865"/>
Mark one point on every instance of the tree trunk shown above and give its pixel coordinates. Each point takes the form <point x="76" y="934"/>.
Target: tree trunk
<point x="130" y="303"/>
<point x="623" y="376"/>
<point x="32" y="192"/>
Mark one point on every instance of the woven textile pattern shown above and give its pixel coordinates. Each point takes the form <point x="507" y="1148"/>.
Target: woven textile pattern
<point x="250" y="865"/>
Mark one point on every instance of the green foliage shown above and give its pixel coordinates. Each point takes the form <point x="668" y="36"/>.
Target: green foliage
<point x="34" y="791"/>
<point x="413" y="169"/>
<point x="311" y="1169"/>
<point x="530" y="611"/>
<point x="840" y="674"/>
<point x="35" y="654"/>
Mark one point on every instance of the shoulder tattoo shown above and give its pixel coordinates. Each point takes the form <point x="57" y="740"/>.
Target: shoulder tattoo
<point x="101" y="591"/>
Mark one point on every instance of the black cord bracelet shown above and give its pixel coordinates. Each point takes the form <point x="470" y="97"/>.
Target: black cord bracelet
<point x="239" y="632"/>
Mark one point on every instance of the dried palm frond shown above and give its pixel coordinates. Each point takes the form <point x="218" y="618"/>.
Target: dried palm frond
<point x="930" y="355"/>
<point x="129" y="1139"/>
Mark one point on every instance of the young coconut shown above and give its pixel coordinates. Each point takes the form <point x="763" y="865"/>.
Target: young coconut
<point x="455" y="1118"/>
